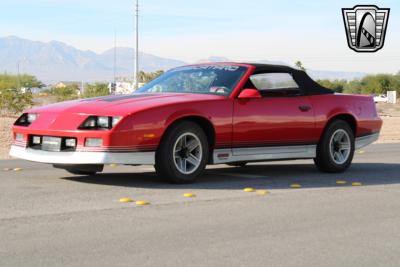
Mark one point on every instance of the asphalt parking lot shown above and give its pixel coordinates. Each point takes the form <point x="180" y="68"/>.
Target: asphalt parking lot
<point x="51" y="218"/>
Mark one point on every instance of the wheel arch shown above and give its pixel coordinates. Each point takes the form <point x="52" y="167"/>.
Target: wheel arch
<point x="347" y="117"/>
<point x="203" y="122"/>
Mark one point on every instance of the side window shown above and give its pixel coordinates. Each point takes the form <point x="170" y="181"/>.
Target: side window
<point x="275" y="84"/>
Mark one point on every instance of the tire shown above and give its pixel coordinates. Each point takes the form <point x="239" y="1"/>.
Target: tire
<point x="81" y="169"/>
<point x="237" y="164"/>
<point x="174" y="156"/>
<point x="335" y="150"/>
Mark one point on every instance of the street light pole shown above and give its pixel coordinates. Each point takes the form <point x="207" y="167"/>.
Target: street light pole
<point x="18" y="79"/>
<point x="136" y="67"/>
<point x="115" y="56"/>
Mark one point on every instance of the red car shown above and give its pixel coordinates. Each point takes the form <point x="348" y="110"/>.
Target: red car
<point x="203" y="114"/>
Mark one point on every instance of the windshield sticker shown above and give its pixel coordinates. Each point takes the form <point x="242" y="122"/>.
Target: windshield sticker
<point x="209" y="67"/>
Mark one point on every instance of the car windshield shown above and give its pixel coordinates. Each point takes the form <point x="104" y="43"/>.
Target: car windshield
<point x="202" y="79"/>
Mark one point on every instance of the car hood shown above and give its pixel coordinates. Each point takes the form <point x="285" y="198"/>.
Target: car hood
<point x="121" y="105"/>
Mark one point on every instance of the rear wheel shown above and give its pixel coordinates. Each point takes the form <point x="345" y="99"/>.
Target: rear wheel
<point x="335" y="150"/>
<point x="183" y="153"/>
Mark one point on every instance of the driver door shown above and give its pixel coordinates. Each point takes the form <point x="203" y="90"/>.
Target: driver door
<point x="283" y="117"/>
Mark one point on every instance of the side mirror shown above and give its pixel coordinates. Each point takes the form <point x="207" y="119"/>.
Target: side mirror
<point x="249" y="94"/>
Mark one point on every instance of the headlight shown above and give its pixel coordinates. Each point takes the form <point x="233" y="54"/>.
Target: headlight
<point x="115" y="120"/>
<point x="32" y="117"/>
<point x="99" y="123"/>
<point x="103" y="122"/>
<point x="26" y="119"/>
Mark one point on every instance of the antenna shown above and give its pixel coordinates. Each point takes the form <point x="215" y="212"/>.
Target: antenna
<point x="136" y="66"/>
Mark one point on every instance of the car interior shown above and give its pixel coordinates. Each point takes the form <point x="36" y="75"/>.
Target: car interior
<point x="273" y="84"/>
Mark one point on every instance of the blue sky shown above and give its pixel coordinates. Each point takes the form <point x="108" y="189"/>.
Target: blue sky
<point x="311" y="31"/>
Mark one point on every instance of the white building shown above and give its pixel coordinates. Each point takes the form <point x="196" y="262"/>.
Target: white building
<point x="123" y="88"/>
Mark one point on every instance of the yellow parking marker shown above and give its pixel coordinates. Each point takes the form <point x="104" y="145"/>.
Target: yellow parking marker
<point x="189" y="195"/>
<point x="17" y="169"/>
<point x="361" y="152"/>
<point x="113" y="165"/>
<point x="356" y="184"/>
<point x="248" y="189"/>
<point x="295" y="186"/>
<point x="262" y="192"/>
<point x="341" y="182"/>
<point x="142" y="203"/>
<point x="125" y="200"/>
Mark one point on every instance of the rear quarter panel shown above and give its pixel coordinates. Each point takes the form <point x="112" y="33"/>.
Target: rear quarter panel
<point x="361" y="107"/>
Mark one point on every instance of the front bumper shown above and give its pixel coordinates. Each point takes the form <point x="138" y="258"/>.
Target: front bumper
<point x="143" y="158"/>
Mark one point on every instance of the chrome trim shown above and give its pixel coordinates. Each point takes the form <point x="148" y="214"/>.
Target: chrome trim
<point x="263" y="153"/>
<point x="366" y="140"/>
<point x="82" y="157"/>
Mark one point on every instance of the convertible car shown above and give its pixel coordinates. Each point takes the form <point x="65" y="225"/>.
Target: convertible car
<point x="191" y="116"/>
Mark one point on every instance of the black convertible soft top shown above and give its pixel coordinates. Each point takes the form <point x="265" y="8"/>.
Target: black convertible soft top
<point x="307" y="85"/>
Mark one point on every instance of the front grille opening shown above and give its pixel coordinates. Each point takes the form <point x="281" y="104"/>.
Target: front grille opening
<point x="67" y="144"/>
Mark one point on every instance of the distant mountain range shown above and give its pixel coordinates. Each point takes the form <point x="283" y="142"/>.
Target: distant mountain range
<point x="56" y="61"/>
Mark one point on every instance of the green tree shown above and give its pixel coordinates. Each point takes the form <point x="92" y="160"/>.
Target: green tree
<point x="379" y="84"/>
<point x="353" y="87"/>
<point x="300" y="65"/>
<point x="8" y="81"/>
<point x="97" y="89"/>
<point x="370" y="84"/>
<point x="336" y="85"/>
<point x="145" y="77"/>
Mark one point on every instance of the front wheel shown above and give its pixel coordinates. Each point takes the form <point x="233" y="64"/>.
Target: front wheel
<point x="183" y="153"/>
<point x="335" y="150"/>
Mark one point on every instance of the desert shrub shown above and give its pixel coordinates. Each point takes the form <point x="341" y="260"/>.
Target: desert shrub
<point x="68" y="92"/>
<point x="97" y="89"/>
<point x="13" y="100"/>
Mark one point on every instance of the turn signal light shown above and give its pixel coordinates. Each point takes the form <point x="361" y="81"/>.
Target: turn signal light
<point x="93" y="142"/>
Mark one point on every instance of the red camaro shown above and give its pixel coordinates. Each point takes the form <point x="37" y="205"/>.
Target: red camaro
<point x="196" y="115"/>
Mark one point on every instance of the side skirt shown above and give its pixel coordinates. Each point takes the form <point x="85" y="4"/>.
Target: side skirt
<point x="278" y="152"/>
<point x="263" y="153"/>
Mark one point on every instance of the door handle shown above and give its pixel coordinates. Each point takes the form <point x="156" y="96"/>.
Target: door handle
<point x="304" y="108"/>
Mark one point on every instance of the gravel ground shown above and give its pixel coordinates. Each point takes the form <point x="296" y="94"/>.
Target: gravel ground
<point x="51" y="218"/>
<point x="5" y="136"/>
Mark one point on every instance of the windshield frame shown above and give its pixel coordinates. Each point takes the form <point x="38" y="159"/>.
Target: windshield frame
<point x="240" y="80"/>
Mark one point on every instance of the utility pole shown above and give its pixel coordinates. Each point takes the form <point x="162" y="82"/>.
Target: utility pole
<point x="18" y="80"/>
<point x="115" y="56"/>
<point x="136" y="66"/>
<point x="82" y="88"/>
